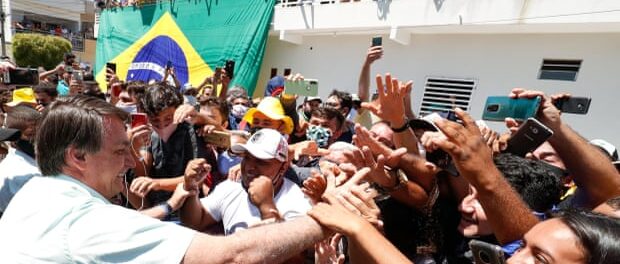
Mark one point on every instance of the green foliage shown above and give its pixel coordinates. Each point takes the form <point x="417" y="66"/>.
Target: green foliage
<point x="36" y="50"/>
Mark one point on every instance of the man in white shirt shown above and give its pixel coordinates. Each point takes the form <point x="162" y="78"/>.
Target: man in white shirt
<point x="19" y="165"/>
<point x="262" y="194"/>
<point x="65" y="216"/>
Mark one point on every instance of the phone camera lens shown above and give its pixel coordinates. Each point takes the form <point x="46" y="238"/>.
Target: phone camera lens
<point x="484" y="257"/>
<point x="534" y="130"/>
<point x="493" y="108"/>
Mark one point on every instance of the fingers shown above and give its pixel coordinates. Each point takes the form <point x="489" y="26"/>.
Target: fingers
<point x="359" y="176"/>
<point x="380" y="88"/>
<point x="468" y="122"/>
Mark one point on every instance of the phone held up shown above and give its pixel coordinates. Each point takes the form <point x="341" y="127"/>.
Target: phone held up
<point x="21" y="76"/>
<point x="111" y="66"/>
<point x="529" y="137"/>
<point x="485" y="253"/>
<point x="498" y="108"/>
<point x="574" y="105"/>
<point x="218" y="138"/>
<point x="138" y="119"/>
<point x="377" y="41"/>
<point x="230" y="68"/>
<point x="306" y="87"/>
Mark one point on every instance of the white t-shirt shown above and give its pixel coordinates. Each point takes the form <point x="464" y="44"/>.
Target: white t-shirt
<point x="15" y="170"/>
<point x="61" y="220"/>
<point x="230" y="204"/>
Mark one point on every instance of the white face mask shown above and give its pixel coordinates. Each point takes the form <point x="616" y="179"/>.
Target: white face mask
<point x="238" y="111"/>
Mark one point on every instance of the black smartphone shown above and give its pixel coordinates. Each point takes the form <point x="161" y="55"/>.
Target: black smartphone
<point x="574" y="105"/>
<point x="230" y="68"/>
<point x="530" y="136"/>
<point x="377" y="41"/>
<point x="111" y="66"/>
<point x="485" y="253"/>
<point x="21" y="76"/>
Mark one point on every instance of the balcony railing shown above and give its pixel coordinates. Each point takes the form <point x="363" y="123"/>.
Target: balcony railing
<point x="291" y="3"/>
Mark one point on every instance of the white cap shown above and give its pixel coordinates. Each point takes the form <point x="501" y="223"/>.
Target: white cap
<point x="608" y="147"/>
<point x="265" y="144"/>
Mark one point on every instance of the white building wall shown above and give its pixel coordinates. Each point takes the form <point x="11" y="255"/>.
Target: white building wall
<point x="498" y="61"/>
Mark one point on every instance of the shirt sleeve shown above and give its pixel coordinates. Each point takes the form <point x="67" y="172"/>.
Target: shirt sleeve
<point x="213" y="202"/>
<point x="112" y="234"/>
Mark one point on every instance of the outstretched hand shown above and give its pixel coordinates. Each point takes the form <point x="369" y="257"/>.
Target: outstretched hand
<point x="363" y="138"/>
<point x="390" y="104"/>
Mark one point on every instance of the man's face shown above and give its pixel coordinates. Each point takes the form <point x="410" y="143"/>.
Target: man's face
<point x="241" y="101"/>
<point x="332" y="125"/>
<point x="334" y="102"/>
<point x="163" y="119"/>
<point x="208" y="90"/>
<point x="310" y="106"/>
<point x="383" y="133"/>
<point x="550" y="242"/>
<point x="75" y="87"/>
<point x="547" y="154"/>
<point x="29" y="132"/>
<point x="260" y="120"/>
<point x="43" y="99"/>
<point x="473" y="219"/>
<point x="252" y="167"/>
<point x="105" y="169"/>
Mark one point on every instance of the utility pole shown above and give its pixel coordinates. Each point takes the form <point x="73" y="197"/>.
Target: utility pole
<point x="2" y="17"/>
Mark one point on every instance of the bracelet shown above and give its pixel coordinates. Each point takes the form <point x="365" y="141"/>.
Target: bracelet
<point x="167" y="208"/>
<point x="401" y="129"/>
<point x="401" y="181"/>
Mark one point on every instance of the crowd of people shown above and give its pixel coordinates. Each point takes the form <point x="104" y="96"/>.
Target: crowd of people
<point x="160" y="171"/>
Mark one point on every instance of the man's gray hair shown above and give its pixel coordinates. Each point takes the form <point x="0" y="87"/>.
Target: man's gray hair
<point x="76" y="122"/>
<point x="342" y="146"/>
<point x="236" y="92"/>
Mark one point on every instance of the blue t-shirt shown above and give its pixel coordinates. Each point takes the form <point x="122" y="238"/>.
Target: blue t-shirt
<point x="62" y="88"/>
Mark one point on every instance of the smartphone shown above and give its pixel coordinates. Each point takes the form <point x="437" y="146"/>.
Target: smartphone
<point x="497" y="108"/>
<point x="287" y="71"/>
<point x="230" y="68"/>
<point x="574" y="105"/>
<point x="218" y="138"/>
<point x="377" y="41"/>
<point x="530" y="136"/>
<point x="485" y="253"/>
<point x="138" y="119"/>
<point x="111" y="66"/>
<point x="21" y="76"/>
<point x="306" y="87"/>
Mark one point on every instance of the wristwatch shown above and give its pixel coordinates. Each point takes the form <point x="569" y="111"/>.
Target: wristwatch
<point x="401" y="181"/>
<point x="168" y="210"/>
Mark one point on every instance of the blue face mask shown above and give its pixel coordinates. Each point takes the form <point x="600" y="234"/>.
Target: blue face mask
<point x="320" y="135"/>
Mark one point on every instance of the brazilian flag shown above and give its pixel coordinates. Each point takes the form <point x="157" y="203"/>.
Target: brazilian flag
<point x="195" y="36"/>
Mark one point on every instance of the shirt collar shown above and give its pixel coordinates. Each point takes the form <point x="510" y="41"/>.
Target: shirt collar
<point x="81" y="186"/>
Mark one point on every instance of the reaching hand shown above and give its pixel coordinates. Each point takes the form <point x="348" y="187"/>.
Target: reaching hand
<point x="362" y="138"/>
<point x="465" y="144"/>
<point x="361" y="200"/>
<point x="185" y="113"/>
<point x="261" y="191"/>
<point x="141" y="186"/>
<point x="307" y="147"/>
<point x="195" y="172"/>
<point x="234" y="173"/>
<point x="314" y="187"/>
<point x="390" y="105"/>
<point x="326" y="251"/>
<point x="139" y="136"/>
<point x="336" y="217"/>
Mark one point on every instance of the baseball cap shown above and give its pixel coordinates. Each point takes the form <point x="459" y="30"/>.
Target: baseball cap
<point x="23" y="95"/>
<point x="313" y="98"/>
<point x="609" y="148"/>
<point x="272" y="108"/>
<point x="275" y="86"/>
<point x="426" y="123"/>
<point x="9" y="134"/>
<point x="265" y="144"/>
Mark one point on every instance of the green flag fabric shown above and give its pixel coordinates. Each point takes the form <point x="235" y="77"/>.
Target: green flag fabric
<point x="193" y="36"/>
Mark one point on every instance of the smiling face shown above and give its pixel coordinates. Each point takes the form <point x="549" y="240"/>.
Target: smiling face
<point x="106" y="168"/>
<point x="549" y="242"/>
<point x="474" y="221"/>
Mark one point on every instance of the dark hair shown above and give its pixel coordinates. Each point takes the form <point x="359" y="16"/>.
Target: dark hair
<point x="614" y="203"/>
<point x="537" y="183"/>
<point x="76" y="121"/>
<point x="598" y="235"/>
<point x="158" y="97"/>
<point x="345" y="98"/>
<point x="20" y="116"/>
<point x="217" y="103"/>
<point x="47" y="89"/>
<point x="329" y="114"/>
<point x="68" y="55"/>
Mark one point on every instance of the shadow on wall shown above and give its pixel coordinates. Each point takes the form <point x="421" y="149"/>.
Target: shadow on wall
<point x="383" y="8"/>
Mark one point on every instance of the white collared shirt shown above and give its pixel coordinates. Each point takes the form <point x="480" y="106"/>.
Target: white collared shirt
<point x="59" y="219"/>
<point x="15" y="170"/>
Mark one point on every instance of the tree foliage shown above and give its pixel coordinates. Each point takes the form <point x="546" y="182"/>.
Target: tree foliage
<point x="35" y="50"/>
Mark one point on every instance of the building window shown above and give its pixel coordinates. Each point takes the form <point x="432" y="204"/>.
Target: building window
<point x="442" y="94"/>
<point x="560" y="70"/>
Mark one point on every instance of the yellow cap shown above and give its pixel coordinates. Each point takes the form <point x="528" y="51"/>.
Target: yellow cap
<point x="272" y="108"/>
<point x="23" y="95"/>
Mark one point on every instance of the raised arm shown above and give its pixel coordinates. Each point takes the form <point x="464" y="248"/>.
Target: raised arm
<point x="363" y="87"/>
<point x="192" y="213"/>
<point x="474" y="161"/>
<point x="595" y="176"/>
